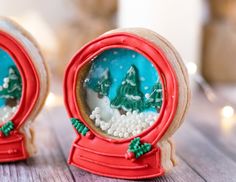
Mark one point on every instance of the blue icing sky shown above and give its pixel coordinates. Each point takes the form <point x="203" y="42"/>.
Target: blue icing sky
<point x="118" y="62"/>
<point x="6" y="62"/>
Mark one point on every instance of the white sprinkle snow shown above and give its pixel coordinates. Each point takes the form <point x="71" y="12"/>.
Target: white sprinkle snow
<point x="111" y="122"/>
<point x="130" y="82"/>
<point x="7" y="112"/>
<point x="147" y="96"/>
<point x="132" y="97"/>
<point x="142" y="79"/>
<point x="124" y="126"/>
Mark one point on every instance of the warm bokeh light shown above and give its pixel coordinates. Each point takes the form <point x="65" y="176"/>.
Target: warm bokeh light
<point x="53" y="100"/>
<point x="192" y="68"/>
<point x="228" y="118"/>
<point x="227" y="111"/>
<point x="227" y="124"/>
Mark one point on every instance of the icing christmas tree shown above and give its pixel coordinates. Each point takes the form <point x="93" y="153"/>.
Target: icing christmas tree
<point x="122" y="93"/>
<point x="104" y="84"/>
<point x="129" y="97"/>
<point x="155" y="98"/>
<point x="12" y="87"/>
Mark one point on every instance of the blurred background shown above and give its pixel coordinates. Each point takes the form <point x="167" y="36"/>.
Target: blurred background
<point x="203" y="31"/>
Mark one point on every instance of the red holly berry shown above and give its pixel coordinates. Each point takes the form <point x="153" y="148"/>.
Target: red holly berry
<point x="89" y="135"/>
<point x="130" y="156"/>
<point x="12" y="132"/>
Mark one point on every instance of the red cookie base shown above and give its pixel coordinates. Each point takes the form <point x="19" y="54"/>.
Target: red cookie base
<point x="12" y="148"/>
<point x="116" y="166"/>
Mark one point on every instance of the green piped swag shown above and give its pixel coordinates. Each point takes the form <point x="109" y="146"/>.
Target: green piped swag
<point x="138" y="148"/>
<point x="7" y="128"/>
<point x="79" y="126"/>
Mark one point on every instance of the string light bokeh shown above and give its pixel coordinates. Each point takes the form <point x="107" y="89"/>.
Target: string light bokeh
<point x="225" y="107"/>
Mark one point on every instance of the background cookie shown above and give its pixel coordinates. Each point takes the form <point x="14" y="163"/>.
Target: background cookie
<point x="126" y="93"/>
<point x="24" y="87"/>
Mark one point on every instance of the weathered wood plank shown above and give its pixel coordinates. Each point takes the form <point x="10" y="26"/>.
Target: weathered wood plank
<point x="203" y="156"/>
<point x="47" y="165"/>
<point x="205" y="116"/>
<point x="66" y="134"/>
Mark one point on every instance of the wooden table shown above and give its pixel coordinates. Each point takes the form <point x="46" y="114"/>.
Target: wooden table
<point x="206" y="149"/>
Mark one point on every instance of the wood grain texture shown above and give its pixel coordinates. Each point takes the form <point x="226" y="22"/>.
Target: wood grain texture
<point x="47" y="165"/>
<point x="66" y="135"/>
<point x="207" y="160"/>
<point x="205" y="117"/>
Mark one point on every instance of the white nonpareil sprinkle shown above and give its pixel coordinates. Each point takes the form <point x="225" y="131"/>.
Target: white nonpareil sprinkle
<point x="7" y="112"/>
<point x="124" y="126"/>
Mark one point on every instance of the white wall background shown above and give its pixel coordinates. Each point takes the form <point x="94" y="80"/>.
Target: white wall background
<point x="179" y="21"/>
<point x="54" y="12"/>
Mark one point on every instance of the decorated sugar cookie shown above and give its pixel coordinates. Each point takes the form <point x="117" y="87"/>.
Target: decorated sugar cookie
<point x="23" y="88"/>
<point x="126" y="93"/>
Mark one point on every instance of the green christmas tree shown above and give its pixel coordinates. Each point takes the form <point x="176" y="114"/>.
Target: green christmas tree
<point x="129" y="97"/>
<point x="104" y="84"/>
<point x="12" y="87"/>
<point x="155" y="98"/>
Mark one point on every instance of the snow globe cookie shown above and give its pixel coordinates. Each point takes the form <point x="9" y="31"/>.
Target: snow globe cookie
<point x="126" y="93"/>
<point x="22" y="91"/>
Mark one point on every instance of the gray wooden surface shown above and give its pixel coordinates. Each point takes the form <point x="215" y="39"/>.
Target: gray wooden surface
<point x="205" y="152"/>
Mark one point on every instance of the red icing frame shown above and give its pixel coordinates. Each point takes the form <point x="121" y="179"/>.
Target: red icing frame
<point x="12" y="147"/>
<point x="106" y="156"/>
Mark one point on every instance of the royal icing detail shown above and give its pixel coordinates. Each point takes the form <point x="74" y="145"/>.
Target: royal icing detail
<point x="10" y="87"/>
<point x="7" y="128"/>
<point x="137" y="149"/>
<point x="10" y="92"/>
<point x="19" y="90"/>
<point x="80" y="127"/>
<point x="124" y="90"/>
